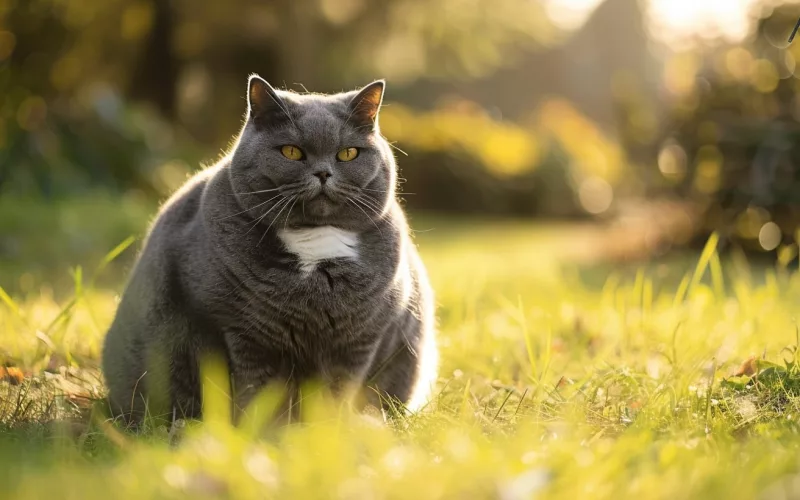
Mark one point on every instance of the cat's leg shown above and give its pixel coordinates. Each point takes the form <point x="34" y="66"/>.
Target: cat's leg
<point x="185" y="389"/>
<point x="252" y="367"/>
<point x="125" y="372"/>
<point x="390" y="387"/>
<point x="246" y="385"/>
<point x="346" y="371"/>
<point x="126" y="399"/>
<point x="403" y="378"/>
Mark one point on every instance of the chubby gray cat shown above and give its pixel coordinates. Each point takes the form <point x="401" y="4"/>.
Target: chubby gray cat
<point x="290" y="258"/>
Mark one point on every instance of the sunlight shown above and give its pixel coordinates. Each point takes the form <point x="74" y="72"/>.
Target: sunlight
<point x="673" y="20"/>
<point x="570" y="14"/>
<point x="453" y="249"/>
<point x="669" y="20"/>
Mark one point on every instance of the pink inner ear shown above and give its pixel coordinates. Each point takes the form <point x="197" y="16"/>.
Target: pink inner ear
<point x="373" y="96"/>
<point x="368" y="102"/>
<point x="257" y="94"/>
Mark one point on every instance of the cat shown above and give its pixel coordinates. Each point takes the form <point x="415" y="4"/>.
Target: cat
<point x="291" y="258"/>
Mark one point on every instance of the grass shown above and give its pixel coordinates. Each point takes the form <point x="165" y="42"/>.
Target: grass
<point x="641" y="387"/>
<point x="40" y="240"/>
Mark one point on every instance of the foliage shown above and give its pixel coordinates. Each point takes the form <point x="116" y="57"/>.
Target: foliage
<point x="551" y="165"/>
<point x="730" y="141"/>
<point x="108" y="95"/>
<point x="548" y="387"/>
<point x="43" y="239"/>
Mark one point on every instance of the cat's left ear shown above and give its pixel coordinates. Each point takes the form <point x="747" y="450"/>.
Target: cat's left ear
<point x="365" y="105"/>
<point x="263" y="101"/>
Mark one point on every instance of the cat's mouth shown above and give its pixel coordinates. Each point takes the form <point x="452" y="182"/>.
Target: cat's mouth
<point x="328" y="194"/>
<point x="320" y="205"/>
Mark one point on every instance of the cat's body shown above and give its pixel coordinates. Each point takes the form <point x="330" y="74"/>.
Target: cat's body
<point x="292" y="269"/>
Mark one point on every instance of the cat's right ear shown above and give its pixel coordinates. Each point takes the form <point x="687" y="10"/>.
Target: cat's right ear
<point x="263" y="101"/>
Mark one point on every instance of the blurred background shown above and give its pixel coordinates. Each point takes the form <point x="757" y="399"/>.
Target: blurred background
<point x="646" y="124"/>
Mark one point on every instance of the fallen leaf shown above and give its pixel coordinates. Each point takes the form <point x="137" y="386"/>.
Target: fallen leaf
<point x="55" y="363"/>
<point x="748" y="367"/>
<point x="70" y="389"/>
<point x="13" y="376"/>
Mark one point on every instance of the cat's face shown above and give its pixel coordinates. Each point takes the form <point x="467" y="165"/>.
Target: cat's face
<point x="308" y="160"/>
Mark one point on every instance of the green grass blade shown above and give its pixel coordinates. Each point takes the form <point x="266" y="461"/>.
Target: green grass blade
<point x="702" y="264"/>
<point x="77" y="278"/>
<point x="680" y="294"/>
<point x="110" y="256"/>
<point x="528" y="344"/>
<point x="9" y="302"/>
<point x="638" y="287"/>
<point x="62" y="315"/>
<point x="717" y="276"/>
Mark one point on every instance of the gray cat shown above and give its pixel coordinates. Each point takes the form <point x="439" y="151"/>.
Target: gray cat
<point x="290" y="258"/>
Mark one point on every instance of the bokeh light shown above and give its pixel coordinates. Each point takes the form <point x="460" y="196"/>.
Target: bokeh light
<point x="678" y="20"/>
<point x="769" y="237"/>
<point x="596" y="195"/>
<point x="605" y="194"/>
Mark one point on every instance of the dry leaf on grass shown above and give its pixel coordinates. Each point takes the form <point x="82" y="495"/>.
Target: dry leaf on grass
<point x="748" y="367"/>
<point x="12" y="375"/>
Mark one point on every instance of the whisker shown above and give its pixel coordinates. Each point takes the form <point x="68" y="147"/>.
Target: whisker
<point x="258" y="221"/>
<point x="375" y="205"/>
<point x="366" y="125"/>
<point x="247" y="210"/>
<point x="277" y="216"/>
<point x="284" y="109"/>
<point x="348" y="118"/>
<point x="257" y="192"/>
<point x="352" y="110"/>
<point x="356" y="189"/>
<point x="365" y="214"/>
<point x="379" y="212"/>
<point x="385" y="192"/>
<point x="289" y="212"/>
<point x="391" y="144"/>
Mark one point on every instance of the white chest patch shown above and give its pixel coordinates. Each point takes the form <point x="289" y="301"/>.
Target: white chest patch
<point x="314" y="244"/>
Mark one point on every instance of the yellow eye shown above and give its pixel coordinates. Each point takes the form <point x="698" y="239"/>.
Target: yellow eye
<point x="292" y="152"/>
<point x="347" y="154"/>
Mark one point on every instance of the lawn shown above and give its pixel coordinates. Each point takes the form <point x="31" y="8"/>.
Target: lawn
<point x="557" y="380"/>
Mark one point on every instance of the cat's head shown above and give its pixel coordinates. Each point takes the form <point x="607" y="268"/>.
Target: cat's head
<point x="310" y="159"/>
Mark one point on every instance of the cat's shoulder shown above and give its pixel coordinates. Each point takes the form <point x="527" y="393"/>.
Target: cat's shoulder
<point x="185" y="203"/>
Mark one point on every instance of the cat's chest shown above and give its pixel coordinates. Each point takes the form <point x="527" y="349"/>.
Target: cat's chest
<point x="315" y="245"/>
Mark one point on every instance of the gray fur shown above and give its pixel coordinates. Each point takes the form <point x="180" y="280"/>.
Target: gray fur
<point x="214" y="275"/>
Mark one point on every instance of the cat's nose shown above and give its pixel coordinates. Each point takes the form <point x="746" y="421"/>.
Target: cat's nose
<point x="322" y="175"/>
